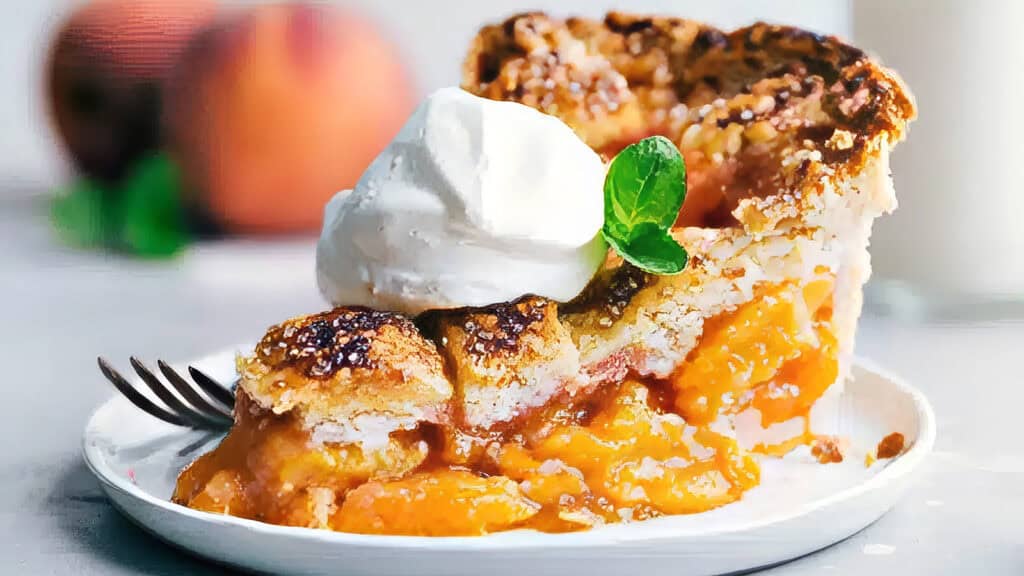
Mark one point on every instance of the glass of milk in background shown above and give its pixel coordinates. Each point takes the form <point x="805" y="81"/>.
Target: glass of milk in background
<point x="955" y="247"/>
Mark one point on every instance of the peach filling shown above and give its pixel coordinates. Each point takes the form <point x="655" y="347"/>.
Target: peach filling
<point x="634" y="450"/>
<point x="443" y="502"/>
<point x="629" y="462"/>
<point x="776" y="353"/>
<point x="269" y="469"/>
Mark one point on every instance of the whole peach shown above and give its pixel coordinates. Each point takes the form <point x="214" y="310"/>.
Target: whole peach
<point x="274" y="110"/>
<point x="105" y="77"/>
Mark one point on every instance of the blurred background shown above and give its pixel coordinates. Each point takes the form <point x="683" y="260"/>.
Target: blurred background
<point x="431" y="37"/>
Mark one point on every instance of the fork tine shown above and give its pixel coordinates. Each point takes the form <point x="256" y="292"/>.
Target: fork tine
<point x="136" y="397"/>
<point x="195" y="419"/>
<point x="207" y="438"/>
<point x="212" y="387"/>
<point x="216" y="413"/>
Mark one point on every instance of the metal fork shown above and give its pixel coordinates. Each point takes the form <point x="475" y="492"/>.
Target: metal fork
<point x="208" y="411"/>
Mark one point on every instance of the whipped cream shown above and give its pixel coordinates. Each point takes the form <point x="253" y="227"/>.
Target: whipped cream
<point x="474" y="202"/>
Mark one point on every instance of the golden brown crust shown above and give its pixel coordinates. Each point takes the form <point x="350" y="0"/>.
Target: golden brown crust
<point x="320" y="345"/>
<point x="499" y="330"/>
<point x="611" y="292"/>
<point x="507" y="358"/>
<point x="696" y="62"/>
<point x="346" y="363"/>
<point x="760" y="112"/>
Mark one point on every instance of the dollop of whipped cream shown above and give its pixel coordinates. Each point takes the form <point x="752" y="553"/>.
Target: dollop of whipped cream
<point x="475" y="202"/>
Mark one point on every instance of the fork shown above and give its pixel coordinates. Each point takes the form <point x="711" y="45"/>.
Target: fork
<point x="188" y="408"/>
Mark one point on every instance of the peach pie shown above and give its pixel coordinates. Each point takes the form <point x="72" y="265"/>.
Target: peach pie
<point x="646" y="395"/>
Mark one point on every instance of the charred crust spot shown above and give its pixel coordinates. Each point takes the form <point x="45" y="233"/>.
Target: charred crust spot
<point x="824" y="55"/>
<point x="864" y="118"/>
<point x="611" y="297"/>
<point x="818" y="134"/>
<point x="851" y="55"/>
<point x="352" y="352"/>
<point x="318" y="334"/>
<point x="819" y="68"/>
<point x="320" y="345"/>
<point x="489" y="68"/>
<point x="742" y="116"/>
<point x="834" y="156"/>
<point x="821" y="135"/>
<point x="713" y="82"/>
<point x="708" y="39"/>
<point x="499" y="327"/>
<point x="623" y="24"/>
<point x="626" y="282"/>
<point x="855" y="81"/>
<point x="509" y="26"/>
<point x="359" y="319"/>
<point x="781" y="97"/>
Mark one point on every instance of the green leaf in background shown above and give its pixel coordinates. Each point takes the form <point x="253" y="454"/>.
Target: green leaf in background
<point x="142" y="215"/>
<point x="152" y="216"/>
<point x="79" y="213"/>
<point x="643" y="192"/>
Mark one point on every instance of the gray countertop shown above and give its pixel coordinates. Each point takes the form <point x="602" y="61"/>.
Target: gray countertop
<point x="60" y="309"/>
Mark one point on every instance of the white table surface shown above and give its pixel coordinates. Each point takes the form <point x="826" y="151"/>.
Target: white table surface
<point x="59" y="309"/>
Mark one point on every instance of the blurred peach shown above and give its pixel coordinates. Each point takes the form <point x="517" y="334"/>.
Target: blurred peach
<point x="276" y="109"/>
<point x="105" y="73"/>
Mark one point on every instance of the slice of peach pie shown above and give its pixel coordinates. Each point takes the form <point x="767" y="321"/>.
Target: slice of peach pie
<point x="647" y="395"/>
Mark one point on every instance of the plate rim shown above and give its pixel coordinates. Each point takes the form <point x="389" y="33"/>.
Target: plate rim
<point x="900" y="467"/>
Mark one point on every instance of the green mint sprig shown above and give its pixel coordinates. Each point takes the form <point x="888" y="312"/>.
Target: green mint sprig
<point x="643" y="191"/>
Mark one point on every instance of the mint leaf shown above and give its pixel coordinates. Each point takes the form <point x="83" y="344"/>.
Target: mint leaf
<point x="151" y="211"/>
<point x="643" y="191"/>
<point x="79" y="214"/>
<point x="653" y="250"/>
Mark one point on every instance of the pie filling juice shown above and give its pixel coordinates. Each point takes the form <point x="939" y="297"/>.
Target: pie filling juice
<point x="630" y="450"/>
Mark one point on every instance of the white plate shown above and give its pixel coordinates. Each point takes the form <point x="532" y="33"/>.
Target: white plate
<point x="800" y="506"/>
